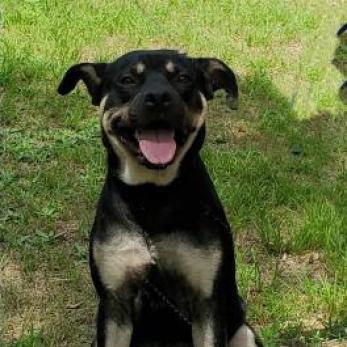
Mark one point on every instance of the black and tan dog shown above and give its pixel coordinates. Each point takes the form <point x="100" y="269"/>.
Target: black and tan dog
<point x="161" y="251"/>
<point x="340" y="59"/>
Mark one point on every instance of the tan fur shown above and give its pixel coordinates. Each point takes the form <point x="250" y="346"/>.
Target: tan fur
<point x="198" y="265"/>
<point x="244" y="337"/>
<point x="170" y="67"/>
<point x="131" y="170"/>
<point x="124" y="255"/>
<point x="117" y="336"/>
<point x="140" y="67"/>
<point x="102" y="105"/>
<point x="203" y="335"/>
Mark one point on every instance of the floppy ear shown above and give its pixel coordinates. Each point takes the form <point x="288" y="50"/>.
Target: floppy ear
<point x="219" y="76"/>
<point x="91" y="74"/>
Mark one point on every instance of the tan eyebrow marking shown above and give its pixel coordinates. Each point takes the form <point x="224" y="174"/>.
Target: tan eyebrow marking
<point x="170" y="66"/>
<point x="140" y="67"/>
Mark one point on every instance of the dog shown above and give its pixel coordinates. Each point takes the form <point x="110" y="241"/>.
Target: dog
<point x="161" y="251"/>
<point x="340" y="60"/>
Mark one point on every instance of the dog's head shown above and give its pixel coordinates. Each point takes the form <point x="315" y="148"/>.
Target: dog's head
<point x="152" y="107"/>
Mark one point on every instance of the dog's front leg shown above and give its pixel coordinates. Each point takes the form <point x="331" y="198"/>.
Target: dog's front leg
<point x="208" y="328"/>
<point x="114" y="323"/>
<point x="119" y="265"/>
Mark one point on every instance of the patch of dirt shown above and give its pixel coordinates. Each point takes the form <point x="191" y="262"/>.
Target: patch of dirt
<point x="42" y="300"/>
<point x="232" y="130"/>
<point x="243" y="132"/>
<point x="254" y="253"/>
<point x="240" y="129"/>
<point x="247" y="240"/>
<point x="66" y="230"/>
<point x="309" y="264"/>
<point x="334" y="343"/>
<point x="294" y="49"/>
<point x="10" y="273"/>
<point x="315" y="322"/>
<point x="23" y="300"/>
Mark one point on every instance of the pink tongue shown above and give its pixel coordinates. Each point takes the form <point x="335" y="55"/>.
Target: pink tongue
<point x="158" y="146"/>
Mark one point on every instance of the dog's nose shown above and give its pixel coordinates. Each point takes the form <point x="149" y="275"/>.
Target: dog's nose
<point x="158" y="99"/>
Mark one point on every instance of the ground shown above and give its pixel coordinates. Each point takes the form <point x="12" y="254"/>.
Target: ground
<point x="279" y="163"/>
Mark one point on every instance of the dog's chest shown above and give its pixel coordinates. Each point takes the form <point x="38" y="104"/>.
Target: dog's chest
<point x="190" y="265"/>
<point x="175" y="257"/>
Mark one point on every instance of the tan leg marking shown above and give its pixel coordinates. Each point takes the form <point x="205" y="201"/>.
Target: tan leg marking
<point x="244" y="337"/>
<point x="117" y="336"/>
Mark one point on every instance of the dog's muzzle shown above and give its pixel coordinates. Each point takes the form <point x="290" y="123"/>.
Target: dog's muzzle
<point x="155" y="128"/>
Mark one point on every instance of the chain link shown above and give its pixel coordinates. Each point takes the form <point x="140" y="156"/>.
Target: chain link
<point x="168" y="302"/>
<point x="156" y="290"/>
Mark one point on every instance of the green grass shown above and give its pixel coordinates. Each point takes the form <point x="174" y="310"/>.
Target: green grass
<point x="279" y="163"/>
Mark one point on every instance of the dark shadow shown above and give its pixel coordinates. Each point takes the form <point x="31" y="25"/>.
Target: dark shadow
<point x="304" y="162"/>
<point x="309" y="149"/>
<point x="297" y="336"/>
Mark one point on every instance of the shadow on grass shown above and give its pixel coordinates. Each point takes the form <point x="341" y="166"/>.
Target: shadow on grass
<point x="308" y="159"/>
<point x="301" y="160"/>
<point x="284" y="178"/>
<point x="298" y="336"/>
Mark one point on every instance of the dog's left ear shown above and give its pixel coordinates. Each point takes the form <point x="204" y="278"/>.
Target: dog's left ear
<point x="219" y="76"/>
<point x="90" y="73"/>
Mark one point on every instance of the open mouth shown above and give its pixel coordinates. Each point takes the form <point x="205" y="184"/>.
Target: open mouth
<point x="155" y="145"/>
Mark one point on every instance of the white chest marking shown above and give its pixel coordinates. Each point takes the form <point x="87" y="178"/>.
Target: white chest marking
<point x="124" y="254"/>
<point x="199" y="266"/>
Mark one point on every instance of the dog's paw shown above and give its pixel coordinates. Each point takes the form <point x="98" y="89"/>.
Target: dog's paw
<point x="245" y="337"/>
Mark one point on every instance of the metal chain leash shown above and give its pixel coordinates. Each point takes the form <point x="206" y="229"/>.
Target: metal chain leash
<point x="168" y="303"/>
<point x="154" y="289"/>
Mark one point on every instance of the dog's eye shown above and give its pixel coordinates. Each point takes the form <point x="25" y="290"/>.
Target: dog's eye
<point x="183" y="78"/>
<point x="127" y="81"/>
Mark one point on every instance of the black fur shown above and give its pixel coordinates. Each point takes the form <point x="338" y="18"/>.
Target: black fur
<point x="158" y="300"/>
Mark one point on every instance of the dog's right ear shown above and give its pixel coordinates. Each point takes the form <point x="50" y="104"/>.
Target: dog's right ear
<point x="219" y="76"/>
<point x="90" y="73"/>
